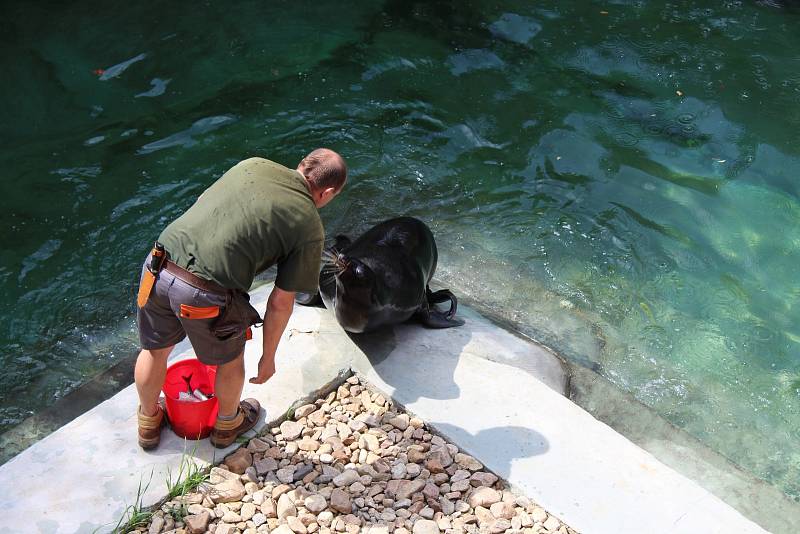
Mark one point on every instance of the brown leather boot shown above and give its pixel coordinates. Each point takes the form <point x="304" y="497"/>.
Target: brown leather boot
<point x="226" y="432"/>
<point x="150" y="427"/>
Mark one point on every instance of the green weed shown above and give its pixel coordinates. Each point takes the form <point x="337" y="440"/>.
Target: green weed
<point x="190" y="475"/>
<point x="135" y="515"/>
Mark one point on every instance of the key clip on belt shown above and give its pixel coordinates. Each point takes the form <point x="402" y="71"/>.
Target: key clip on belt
<point x="157" y="258"/>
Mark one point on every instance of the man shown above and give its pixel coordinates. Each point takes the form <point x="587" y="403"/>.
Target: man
<point x="256" y="215"/>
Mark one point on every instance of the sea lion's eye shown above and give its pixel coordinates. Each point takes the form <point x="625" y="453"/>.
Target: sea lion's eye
<point x="359" y="270"/>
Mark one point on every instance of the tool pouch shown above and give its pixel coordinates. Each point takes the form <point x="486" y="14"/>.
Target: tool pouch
<point x="157" y="257"/>
<point x="237" y="317"/>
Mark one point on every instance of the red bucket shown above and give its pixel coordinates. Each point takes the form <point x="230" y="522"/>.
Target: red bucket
<point x="190" y="420"/>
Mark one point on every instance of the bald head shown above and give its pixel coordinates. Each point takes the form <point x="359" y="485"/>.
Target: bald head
<point x="324" y="169"/>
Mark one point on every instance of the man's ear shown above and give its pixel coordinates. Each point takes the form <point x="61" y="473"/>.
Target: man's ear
<point x="328" y="193"/>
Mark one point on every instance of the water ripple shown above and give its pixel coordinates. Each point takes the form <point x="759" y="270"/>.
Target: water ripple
<point x="186" y="138"/>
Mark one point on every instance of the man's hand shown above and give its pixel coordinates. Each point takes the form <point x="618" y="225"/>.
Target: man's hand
<point x="266" y="368"/>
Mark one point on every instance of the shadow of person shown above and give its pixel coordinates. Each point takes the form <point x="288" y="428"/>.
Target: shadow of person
<point x="496" y="447"/>
<point x="417" y="362"/>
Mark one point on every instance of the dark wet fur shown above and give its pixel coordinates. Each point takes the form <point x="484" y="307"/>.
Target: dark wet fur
<point x="382" y="278"/>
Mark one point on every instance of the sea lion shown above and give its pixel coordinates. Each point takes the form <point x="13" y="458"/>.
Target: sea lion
<point x="382" y="278"/>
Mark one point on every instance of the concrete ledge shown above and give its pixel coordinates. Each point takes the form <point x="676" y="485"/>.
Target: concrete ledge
<point x="496" y="395"/>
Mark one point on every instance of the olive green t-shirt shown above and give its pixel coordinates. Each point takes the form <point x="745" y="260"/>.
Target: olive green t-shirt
<point x="256" y="215"/>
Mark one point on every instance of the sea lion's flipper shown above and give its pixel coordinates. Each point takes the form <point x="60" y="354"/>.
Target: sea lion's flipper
<point x="433" y="318"/>
<point x="308" y="299"/>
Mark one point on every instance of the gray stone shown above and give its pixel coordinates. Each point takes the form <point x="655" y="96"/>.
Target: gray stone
<point x="315" y="503"/>
<point x="460" y="485"/>
<point x="356" y="426"/>
<point x="231" y="517"/>
<point x="248" y="511"/>
<point x="328" y="432"/>
<point x="340" y="501"/>
<point x="278" y="488"/>
<point x="499" y="525"/>
<point x="484" y="497"/>
<point x="325" y="518"/>
<point x="426" y="512"/>
<point x="403" y="489"/>
<point x="265" y="465"/>
<point x="258" y="445"/>
<point x="291" y="430"/>
<point x="539" y="515"/>
<point x="259" y="519"/>
<point x="443" y="456"/>
<point x="483" y="479"/>
<point x="460" y="474"/>
<point x="346" y="478"/>
<point x="156" y="524"/>
<point x="448" y="507"/>
<point x="425" y="526"/>
<point x="369" y="442"/>
<point x="308" y="445"/>
<point x="317" y="418"/>
<point x="303" y="411"/>
<point x="502" y="510"/>
<point x="399" y="471"/>
<point x="252" y="475"/>
<point x="430" y="490"/>
<point x="296" y="525"/>
<point x="227" y="491"/>
<point x="552" y="524"/>
<point x="301" y="471"/>
<point x="468" y="462"/>
<point x="356" y="488"/>
<point x="388" y="516"/>
<point x="225" y="528"/>
<point x="402" y="503"/>
<point x="400" y="422"/>
<point x="286" y="474"/>
<point x="269" y="508"/>
<point x="219" y="475"/>
<point x="285" y="507"/>
<point x="195" y="508"/>
<point x="525" y="519"/>
<point x="484" y="515"/>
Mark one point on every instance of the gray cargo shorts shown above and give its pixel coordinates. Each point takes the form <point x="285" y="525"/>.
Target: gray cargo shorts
<point x="176" y="310"/>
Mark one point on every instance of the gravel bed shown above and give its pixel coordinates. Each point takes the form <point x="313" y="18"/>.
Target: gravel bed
<point x="352" y="462"/>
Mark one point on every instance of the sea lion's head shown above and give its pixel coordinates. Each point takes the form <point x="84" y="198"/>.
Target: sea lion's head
<point x="356" y="286"/>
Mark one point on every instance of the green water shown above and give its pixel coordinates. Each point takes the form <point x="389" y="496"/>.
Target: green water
<point x="618" y="178"/>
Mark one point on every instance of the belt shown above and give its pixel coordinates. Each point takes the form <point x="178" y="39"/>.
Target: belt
<point x="193" y="280"/>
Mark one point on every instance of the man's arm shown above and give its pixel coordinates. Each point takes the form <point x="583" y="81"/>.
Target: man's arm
<point x="279" y="308"/>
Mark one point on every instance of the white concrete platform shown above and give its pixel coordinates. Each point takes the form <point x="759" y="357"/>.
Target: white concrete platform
<point x="495" y="395"/>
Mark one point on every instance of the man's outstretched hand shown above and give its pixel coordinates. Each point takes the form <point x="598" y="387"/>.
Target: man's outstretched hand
<point x="266" y="368"/>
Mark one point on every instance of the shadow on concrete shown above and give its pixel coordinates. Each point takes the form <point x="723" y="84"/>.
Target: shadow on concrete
<point x="421" y="366"/>
<point x="497" y="446"/>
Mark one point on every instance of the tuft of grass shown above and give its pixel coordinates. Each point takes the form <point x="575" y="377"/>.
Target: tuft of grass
<point x="190" y="475"/>
<point x="188" y="478"/>
<point x="135" y="515"/>
<point x="289" y="415"/>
